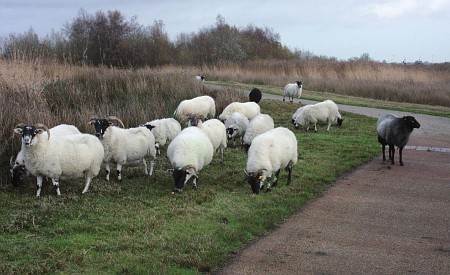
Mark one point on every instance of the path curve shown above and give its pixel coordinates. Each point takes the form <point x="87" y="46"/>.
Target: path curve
<point x="379" y="219"/>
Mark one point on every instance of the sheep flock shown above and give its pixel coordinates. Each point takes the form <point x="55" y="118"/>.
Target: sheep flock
<point x="68" y="154"/>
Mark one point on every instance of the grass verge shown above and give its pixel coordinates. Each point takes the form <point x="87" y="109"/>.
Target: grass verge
<point x="138" y="226"/>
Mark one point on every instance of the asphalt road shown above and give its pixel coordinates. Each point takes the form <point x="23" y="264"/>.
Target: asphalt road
<point x="379" y="219"/>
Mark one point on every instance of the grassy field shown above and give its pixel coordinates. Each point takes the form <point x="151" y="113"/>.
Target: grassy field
<point x="139" y="226"/>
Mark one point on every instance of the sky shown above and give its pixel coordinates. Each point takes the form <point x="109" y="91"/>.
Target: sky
<point x="388" y="30"/>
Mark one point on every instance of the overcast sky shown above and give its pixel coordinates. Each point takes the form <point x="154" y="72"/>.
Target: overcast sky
<point x="391" y="30"/>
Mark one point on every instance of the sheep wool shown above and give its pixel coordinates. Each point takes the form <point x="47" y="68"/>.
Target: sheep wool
<point x="164" y="130"/>
<point x="326" y="112"/>
<point x="258" y="125"/>
<point x="248" y="109"/>
<point x="188" y="153"/>
<point x="270" y="152"/>
<point x="292" y="90"/>
<point x="202" y="106"/>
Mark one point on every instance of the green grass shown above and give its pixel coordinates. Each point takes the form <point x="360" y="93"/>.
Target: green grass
<point x="139" y="226"/>
<point x="347" y="100"/>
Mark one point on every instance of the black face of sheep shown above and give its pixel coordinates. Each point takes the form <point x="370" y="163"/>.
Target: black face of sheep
<point x="230" y="132"/>
<point x="411" y="122"/>
<point x="179" y="177"/>
<point x="255" y="95"/>
<point x="100" y="126"/>
<point x="339" y="122"/>
<point x="254" y="180"/>
<point x="299" y="83"/>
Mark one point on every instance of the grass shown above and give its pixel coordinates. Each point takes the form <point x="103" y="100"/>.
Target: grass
<point x="139" y="226"/>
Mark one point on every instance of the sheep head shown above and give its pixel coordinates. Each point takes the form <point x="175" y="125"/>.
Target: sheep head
<point x="28" y="132"/>
<point x="256" y="180"/>
<point x="411" y="122"/>
<point x="182" y="175"/>
<point x="101" y="124"/>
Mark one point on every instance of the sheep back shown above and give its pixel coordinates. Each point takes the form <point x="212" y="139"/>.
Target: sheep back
<point x="202" y="106"/>
<point x="164" y="130"/>
<point x="258" y="125"/>
<point x="248" y="109"/>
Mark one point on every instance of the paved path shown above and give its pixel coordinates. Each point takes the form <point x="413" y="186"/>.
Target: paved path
<point x="379" y="219"/>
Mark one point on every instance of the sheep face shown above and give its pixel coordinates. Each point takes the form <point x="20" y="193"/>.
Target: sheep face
<point x="100" y="125"/>
<point x="181" y="176"/>
<point x="411" y="122"/>
<point x="231" y="132"/>
<point x="29" y="133"/>
<point x="299" y="84"/>
<point x="256" y="181"/>
<point x="339" y="122"/>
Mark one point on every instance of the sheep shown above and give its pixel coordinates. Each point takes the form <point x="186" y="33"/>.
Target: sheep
<point x="395" y="131"/>
<point x="214" y="129"/>
<point x="248" y="109"/>
<point x="124" y="146"/>
<point x="17" y="166"/>
<point x="202" y="106"/>
<point x="292" y="90"/>
<point x="236" y="126"/>
<point x="326" y="111"/>
<point x="188" y="153"/>
<point x="294" y="116"/>
<point x="60" y="157"/>
<point x="200" y="78"/>
<point x="164" y="130"/>
<point x="270" y="152"/>
<point x="258" y="125"/>
<point x="255" y="95"/>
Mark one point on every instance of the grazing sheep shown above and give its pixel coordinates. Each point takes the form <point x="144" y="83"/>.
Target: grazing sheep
<point x="17" y="166"/>
<point x="270" y="152"/>
<point x="214" y="129"/>
<point x="292" y="90"/>
<point x="294" y="116"/>
<point x="258" y="125"/>
<point x="59" y="157"/>
<point x="124" y="146"/>
<point x="201" y="106"/>
<point x="188" y="153"/>
<point x="236" y="126"/>
<point x="248" y="109"/>
<point x="200" y="78"/>
<point x="164" y="130"/>
<point x="395" y="131"/>
<point x="326" y="111"/>
<point x="255" y="95"/>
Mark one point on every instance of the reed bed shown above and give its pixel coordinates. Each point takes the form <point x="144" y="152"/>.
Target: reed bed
<point x="50" y="93"/>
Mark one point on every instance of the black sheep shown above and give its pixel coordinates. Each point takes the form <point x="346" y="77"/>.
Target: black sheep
<point x="255" y="95"/>
<point x="395" y="131"/>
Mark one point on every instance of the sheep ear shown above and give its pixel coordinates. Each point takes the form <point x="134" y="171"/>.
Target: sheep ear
<point x="19" y="128"/>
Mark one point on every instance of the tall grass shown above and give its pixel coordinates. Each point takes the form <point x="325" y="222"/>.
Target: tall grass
<point x="36" y="92"/>
<point x="422" y="84"/>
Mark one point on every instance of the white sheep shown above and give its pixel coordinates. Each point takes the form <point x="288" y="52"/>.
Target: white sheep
<point x="292" y="90"/>
<point x="124" y="146"/>
<point x="17" y="166"/>
<point x="200" y="78"/>
<point x="258" y="125"/>
<point x="248" y="109"/>
<point x="214" y="129"/>
<point x="270" y="152"/>
<point x="164" y="130"/>
<point x="236" y="126"/>
<point x="202" y="106"/>
<point x="60" y="157"/>
<point x="326" y="111"/>
<point x="188" y="153"/>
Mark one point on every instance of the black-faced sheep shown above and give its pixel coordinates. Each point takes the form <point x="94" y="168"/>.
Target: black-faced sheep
<point x="395" y="131"/>
<point x="292" y="90"/>
<point x="270" y="152"/>
<point x="255" y="95"/>
<point x="188" y="153"/>
<point x="124" y="146"/>
<point x="60" y="157"/>
<point x="236" y="126"/>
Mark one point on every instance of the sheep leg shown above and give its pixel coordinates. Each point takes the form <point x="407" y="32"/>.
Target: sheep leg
<point x="391" y="153"/>
<point x="145" y="166"/>
<point x="315" y="127"/>
<point x="119" y="171"/>
<point x="108" y="170"/>
<point x="289" y="175"/>
<point x="56" y="186"/>
<point x="86" y="186"/>
<point x="383" y="148"/>
<point x="158" y="151"/>
<point x="275" y="180"/>
<point x="400" y="151"/>
<point x="194" y="181"/>
<point x="221" y="154"/>
<point x="329" y="125"/>
<point x="152" y="164"/>
<point x="39" y="180"/>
